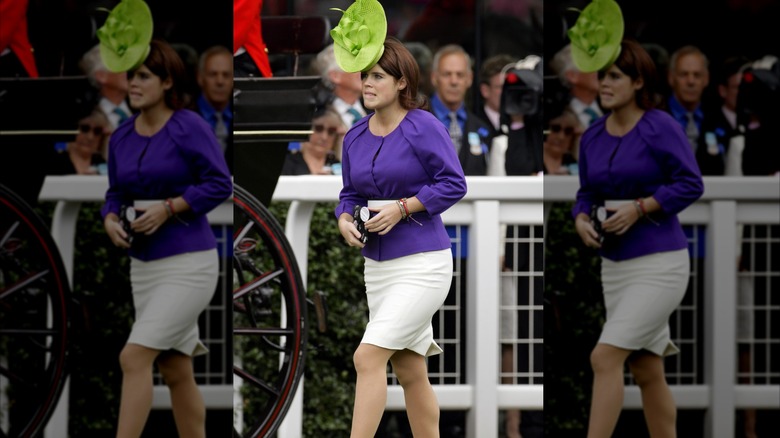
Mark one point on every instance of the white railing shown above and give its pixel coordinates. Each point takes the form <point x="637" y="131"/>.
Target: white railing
<point x="726" y="202"/>
<point x="69" y="192"/>
<point x="490" y="202"/>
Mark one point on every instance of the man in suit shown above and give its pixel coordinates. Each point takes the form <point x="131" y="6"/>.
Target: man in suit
<point x="215" y="79"/>
<point x="113" y="87"/>
<point x="452" y="77"/>
<point x="583" y="88"/>
<point x="345" y="88"/>
<point x="688" y="77"/>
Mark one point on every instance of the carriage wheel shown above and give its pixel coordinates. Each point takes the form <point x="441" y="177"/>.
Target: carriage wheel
<point x="269" y="316"/>
<point x="34" y="295"/>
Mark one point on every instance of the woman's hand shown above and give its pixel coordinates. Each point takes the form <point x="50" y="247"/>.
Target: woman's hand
<point x="115" y="231"/>
<point x="586" y="231"/>
<point x="349" y="232"/>
<point x="621" y="218"/>
<point x="150" y="219"/>
<point x="385" y="219"/>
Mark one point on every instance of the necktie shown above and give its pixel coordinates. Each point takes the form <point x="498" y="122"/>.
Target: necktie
<point x="220" y="130"/>
<point x="592" y="114"/>
<point x="122" y="115"/>
<point x="456" y="134"/>
<point x="355" y="114"/>
<point x="692" y="131"/>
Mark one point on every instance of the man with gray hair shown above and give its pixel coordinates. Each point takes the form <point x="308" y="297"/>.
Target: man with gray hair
<point x="346" y="88"/>
<point x="583" y="87"/>
<point x="215" y="79"/>
<point x="452" y="77"/>
<point x="111" y="86"/>
<point x="688" y="77"/>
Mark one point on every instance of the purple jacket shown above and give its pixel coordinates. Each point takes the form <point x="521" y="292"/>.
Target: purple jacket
<point x="182" y="159"/>
<point x="416" y="159"/>
<point x="654" y="158"/>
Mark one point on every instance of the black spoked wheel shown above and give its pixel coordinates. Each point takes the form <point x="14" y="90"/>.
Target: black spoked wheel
<point x="269" y="319"/>
<point x="34" y="297"/>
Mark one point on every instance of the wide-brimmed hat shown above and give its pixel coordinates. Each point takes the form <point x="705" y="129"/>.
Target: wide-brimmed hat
<point x="596" y="36"/>
<point x="360" y="36"/>
<point x="125" y="36"/>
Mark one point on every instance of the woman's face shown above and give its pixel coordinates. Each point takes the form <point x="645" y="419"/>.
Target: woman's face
<point x="616" y="89"/>
<point x="146" y="88"/>
<point x="380" y="89"/>
<point x="91" y="132"/>
<point x="560" y="139"/>
<point x="326" y="129"/>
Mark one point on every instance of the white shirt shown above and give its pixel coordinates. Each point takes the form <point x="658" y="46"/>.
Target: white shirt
<point x="343" y="108"/>
<point x="579" y="106"/>
<point x="108" y="109"/>
<point x="494" y="117"/>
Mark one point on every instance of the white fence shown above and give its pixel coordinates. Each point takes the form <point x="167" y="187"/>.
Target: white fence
<point x="489" y="203"/>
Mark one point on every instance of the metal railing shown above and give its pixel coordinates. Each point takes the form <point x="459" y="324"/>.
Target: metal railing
<point x="492" y="202"/>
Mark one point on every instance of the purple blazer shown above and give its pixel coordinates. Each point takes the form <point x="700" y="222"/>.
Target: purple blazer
<point x="654" y="158"/>
<point x="182" y="159"/>
<point x="416" y="159"/>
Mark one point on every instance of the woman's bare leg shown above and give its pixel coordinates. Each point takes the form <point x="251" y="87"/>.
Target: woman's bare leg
<point x="422" y="407"/>
<point x="136" y="362"/>
<point x="657" y="401"/>
<point x="607" y="399"/>
<point x="371" y="389"/>
<point x="189" y="410"/>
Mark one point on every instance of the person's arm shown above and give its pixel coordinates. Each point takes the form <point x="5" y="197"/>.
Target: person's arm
<point x="204" y="156"/>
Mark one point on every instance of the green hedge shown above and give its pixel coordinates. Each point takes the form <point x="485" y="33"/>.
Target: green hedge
<point x="573" y="318"/>
<point x="337" y="270"/>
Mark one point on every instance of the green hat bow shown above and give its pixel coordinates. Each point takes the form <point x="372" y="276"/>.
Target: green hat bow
<point x="596" y="36"/>
<point x="125" y="36"/>
<point x="359" y="37"/>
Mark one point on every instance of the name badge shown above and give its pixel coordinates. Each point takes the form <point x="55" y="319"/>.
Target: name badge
<point x="475" y="146"/>
<point x="712" y="143"/>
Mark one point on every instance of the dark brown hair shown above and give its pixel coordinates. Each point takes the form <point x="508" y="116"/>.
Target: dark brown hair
<point x="636" y="63"/>
<point x="399" y="63"/>
<point x="164" y="62"/>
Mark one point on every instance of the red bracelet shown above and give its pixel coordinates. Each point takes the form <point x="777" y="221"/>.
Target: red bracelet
<point x="406" y="208"/>
<point x="169" y="207"/>
<point x="641" y="203"/>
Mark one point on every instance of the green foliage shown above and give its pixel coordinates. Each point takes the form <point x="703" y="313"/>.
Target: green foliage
<point x="337" y="270"/>
<point x="573" y="319"/>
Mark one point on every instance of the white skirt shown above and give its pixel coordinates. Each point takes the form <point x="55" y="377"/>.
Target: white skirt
<point x="640" y="294"/>
<point x="169" y="294"/>
<point x="403" y="295"/>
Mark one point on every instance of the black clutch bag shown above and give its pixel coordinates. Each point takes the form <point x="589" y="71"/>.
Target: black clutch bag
<point x="127" y="214"/>
<point x="360" y="215"/>
<point x="598" y="214"/>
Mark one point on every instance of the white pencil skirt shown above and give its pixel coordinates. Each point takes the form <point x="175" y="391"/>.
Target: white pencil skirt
<point x="169" y="294"/>
<point x="403" y="294"/>
<point x="640" y="294"/>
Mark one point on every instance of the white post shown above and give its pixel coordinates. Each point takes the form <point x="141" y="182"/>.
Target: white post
<point x="482" y="319"/>
<point x="720" y="318"/>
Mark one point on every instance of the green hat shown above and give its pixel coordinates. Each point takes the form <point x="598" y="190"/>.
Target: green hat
<point x="125" y="36"/>
<point x="596" y="36"/>
<point x="359" y="38"/>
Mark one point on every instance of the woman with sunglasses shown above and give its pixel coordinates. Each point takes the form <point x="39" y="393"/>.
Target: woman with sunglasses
<point x="83" y="155"/>
<point x="166" y="163"/>
<point x="637" y="162"/>
<point x="318" y="156"/>
<point x="560" y="143"/>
